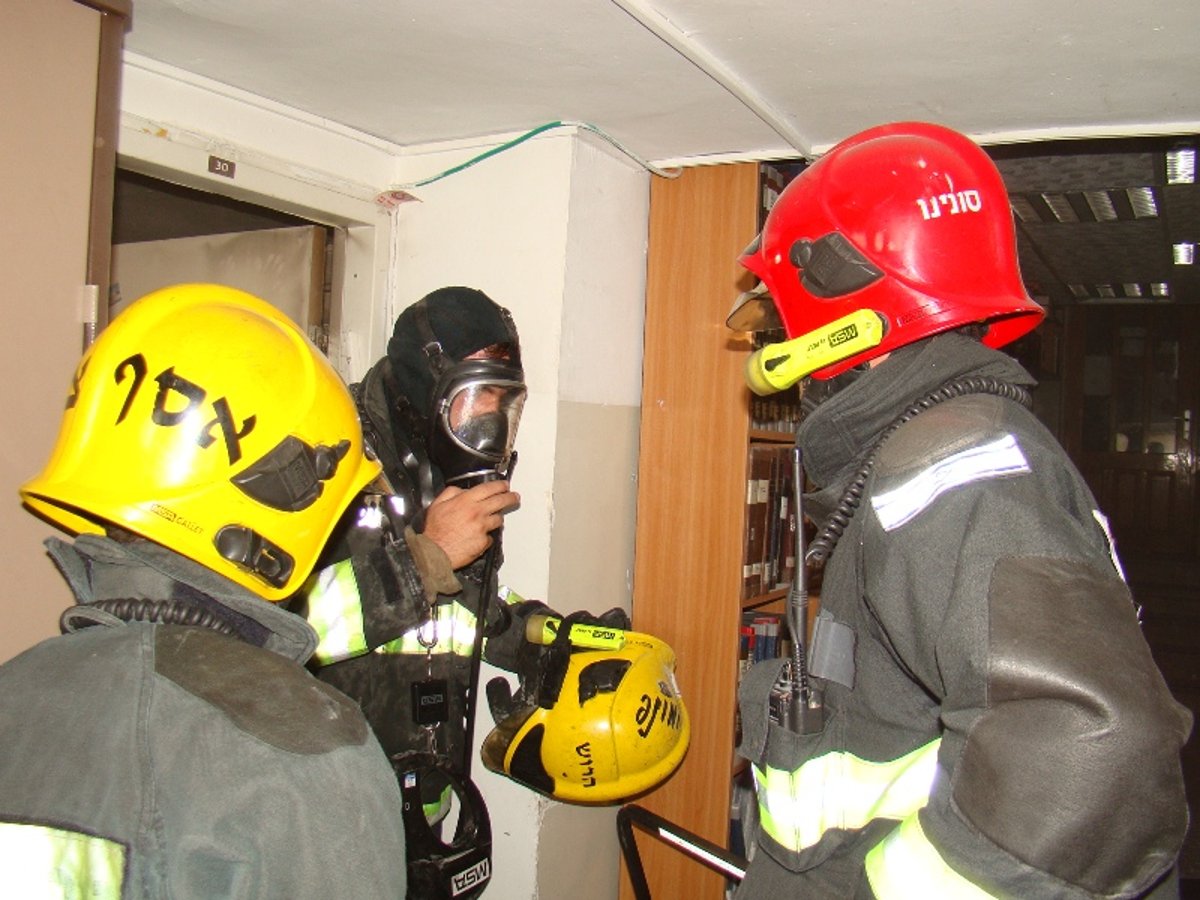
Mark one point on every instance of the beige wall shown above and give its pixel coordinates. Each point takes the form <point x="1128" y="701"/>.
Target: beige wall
<point x="46" y="136"/>
<point x="556" y="231"/>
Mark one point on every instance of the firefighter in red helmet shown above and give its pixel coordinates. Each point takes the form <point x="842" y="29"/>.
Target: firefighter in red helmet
<point x="981" y="716"/>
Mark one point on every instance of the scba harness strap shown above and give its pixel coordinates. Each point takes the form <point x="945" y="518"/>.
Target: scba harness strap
<point x="462" y="869"/>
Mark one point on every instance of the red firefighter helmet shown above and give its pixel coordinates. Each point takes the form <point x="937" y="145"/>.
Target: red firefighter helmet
<point x="910" y="221"/>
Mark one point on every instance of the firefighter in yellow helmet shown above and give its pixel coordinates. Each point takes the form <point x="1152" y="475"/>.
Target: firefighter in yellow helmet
<point x="170" y="741"/>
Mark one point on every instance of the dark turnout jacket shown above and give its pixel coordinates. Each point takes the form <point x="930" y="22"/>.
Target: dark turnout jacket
<point x="144" y="760"/>
<point x="995" y="725"/>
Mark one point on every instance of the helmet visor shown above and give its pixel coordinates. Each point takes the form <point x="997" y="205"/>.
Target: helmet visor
<point x="754" y="311"/>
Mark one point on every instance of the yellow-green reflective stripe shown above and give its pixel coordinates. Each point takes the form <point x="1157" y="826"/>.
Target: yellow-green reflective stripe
<point x="453" y="628"/>
<point x="905" y="865"/>
<point x="436" y="810"/>
<point x="44" y="863"/>
<point x="840" y="790"/>
<point x="335" y="613"/>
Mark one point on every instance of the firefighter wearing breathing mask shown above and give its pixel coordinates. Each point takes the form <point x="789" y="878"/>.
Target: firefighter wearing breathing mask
<point x="415" y="561"/>
<point x="977" y="714"/>
<point x="396" y="602"/>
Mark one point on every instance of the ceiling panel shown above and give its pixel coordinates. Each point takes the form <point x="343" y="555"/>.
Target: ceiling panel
<point x="701" y="80"/>
<point x="1090" y="258"/>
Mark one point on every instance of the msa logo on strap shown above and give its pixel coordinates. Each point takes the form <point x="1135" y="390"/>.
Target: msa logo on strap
<point x="998" y="459"/>
<point x="469" y="878"/>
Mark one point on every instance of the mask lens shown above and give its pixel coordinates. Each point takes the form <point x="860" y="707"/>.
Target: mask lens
<point x="482" y="417"/>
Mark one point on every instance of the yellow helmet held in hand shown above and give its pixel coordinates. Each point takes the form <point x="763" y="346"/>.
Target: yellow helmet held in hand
<point x="204" y="420"/>
<point x="617" y="728"/>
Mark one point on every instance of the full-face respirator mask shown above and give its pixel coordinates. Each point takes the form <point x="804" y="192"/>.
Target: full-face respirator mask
<point x="475" y="407"/>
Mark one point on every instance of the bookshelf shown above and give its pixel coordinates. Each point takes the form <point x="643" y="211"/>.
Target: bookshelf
<point x="698" y="423"/>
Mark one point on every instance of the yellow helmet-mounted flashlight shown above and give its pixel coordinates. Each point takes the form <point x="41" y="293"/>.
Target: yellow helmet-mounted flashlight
<point x="778" y="366"/>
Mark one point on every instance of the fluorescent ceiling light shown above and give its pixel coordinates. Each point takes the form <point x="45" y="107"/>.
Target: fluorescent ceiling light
<point x="1143" y="202"/>
<point x="1101" y="205"/>
<point x="1023" y="209"/>
<point x="1160" y="289"/>
<point x="1185" y="253"/>
<point x="1181" y="165"/>
<point x="1061" y="207"/>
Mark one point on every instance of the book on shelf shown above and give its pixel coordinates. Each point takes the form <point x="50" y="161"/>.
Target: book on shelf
<point x="769" y="542"/>
<point x="763" y="636"/>
<point x="779" y="413"/>
<point x="757" y="521"/>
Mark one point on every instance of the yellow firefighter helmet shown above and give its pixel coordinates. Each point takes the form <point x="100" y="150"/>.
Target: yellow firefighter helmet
<point x="204" y="420"/>
<point x="617" y="727"/>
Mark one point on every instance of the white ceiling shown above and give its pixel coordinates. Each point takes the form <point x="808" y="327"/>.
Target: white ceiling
<point x="675" y="80"/>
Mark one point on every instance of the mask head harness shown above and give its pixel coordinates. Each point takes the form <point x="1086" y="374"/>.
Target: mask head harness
<point x="475" y="407"/>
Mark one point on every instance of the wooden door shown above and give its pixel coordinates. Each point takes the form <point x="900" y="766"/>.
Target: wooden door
<point x="1137" y="372"/>
<point x="58" y="140"/>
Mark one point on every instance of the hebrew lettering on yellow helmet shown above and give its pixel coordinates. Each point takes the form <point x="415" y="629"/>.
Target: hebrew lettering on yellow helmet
<point x="617" y="728"/>
<point x="203" y="419"/>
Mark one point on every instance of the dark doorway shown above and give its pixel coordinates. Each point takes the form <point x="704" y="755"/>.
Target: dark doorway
<point x="166" y="233"/>
<point x="150" y="209"/>
<point x="1128" y="401"/>
<point x="1135" y="371"/>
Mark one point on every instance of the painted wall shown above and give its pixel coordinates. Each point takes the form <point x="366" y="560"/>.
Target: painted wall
<point x="173" y="123"/>
<point x="555" y="229"/>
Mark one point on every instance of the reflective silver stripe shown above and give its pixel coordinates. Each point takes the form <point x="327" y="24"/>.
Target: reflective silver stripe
<point x="997" y="459"/>
<point x="1102" y="520"/>
<point x="335" y="613"/>
<point x="840" y="790"/>
<point x="453" y="629"/>
<point x="906" y="866"/>
<point x="44" y="863"/>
